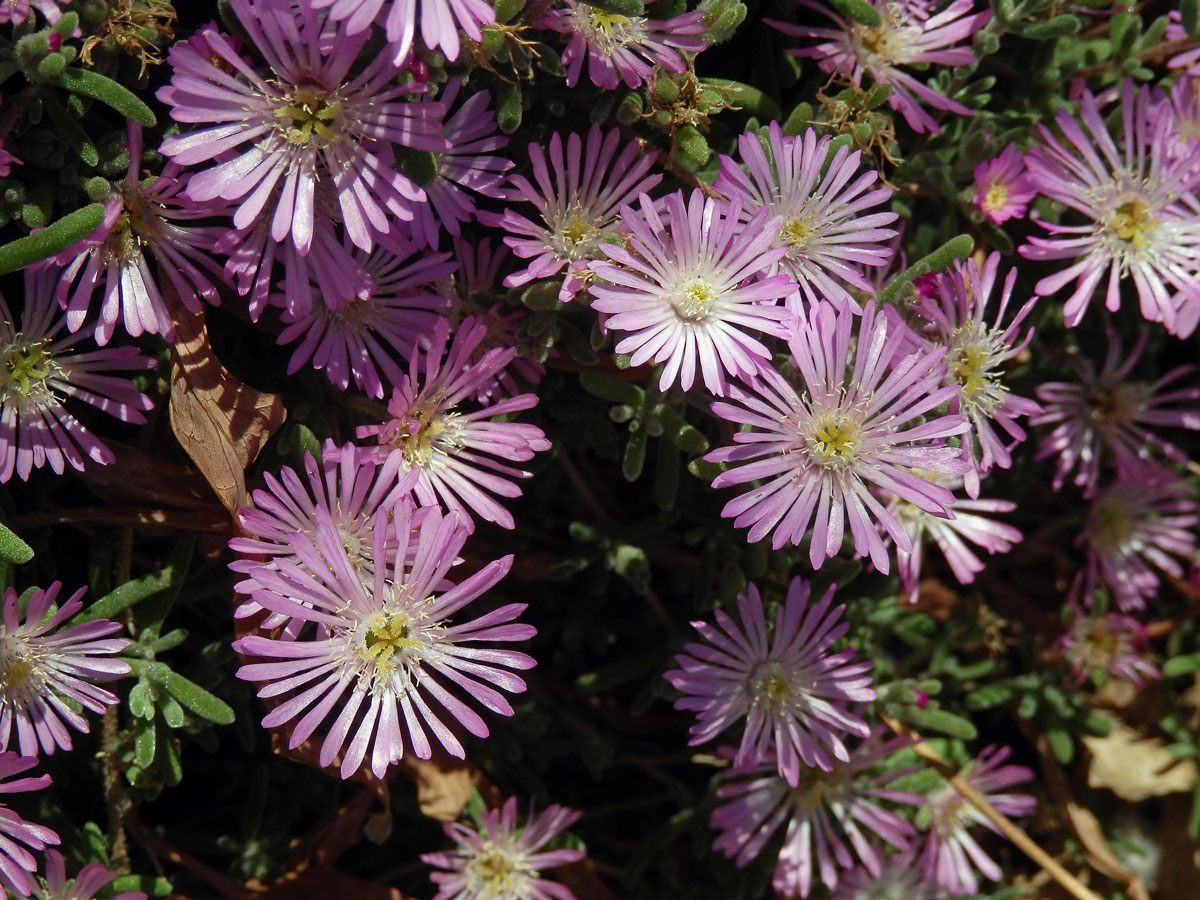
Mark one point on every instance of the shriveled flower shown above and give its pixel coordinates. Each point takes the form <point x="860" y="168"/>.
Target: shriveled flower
<point x="440" y="22"/>
<point x="1002" y="189"/>
<point x="1109" y="409"/>
<point x="16" y="862"/>
<point x="45" y="672"/>
<point x="908" y="36"/>
<point x="823" y="812"/>
<point x="830" y="222"/>
<point x="951" y="855"/>
<point x="578" y="197"/>
<point x="788" y="685"/>
<point x="504" y="859"/>
<point x="621" y="48"/>
<point x="1143" y="218"/>
<point x="39" y="372"/>
<point x="1107" y="646"/>
<point x="457" y="453"/>
<point x="691" y="283"/>
<point x="91" y="878"/>
<point x="1142" y="522"/>
<point x="387" y="645"/>
<point x="955" y="317"/>
<point x="308" y="121"/>
<point x="818" y="447"/>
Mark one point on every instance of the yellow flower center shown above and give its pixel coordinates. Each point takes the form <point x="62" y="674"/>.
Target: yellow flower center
<point x="835" y="440"/>
<point x="693" y="300"/>
<point x="608" y="31"/>
<point x="996" y="196"/>
<point x="1133" y="221"/>
<point x="386" y="636"/>
<point x="770" y="689"/>
<point x="497" y="873"/>
<point x="974" y="354"/>
<point x="796" y="232"/>
<point x="423" y="431"/>
<point x="27" y="367"/>
<point x="18" y="667"/>
<point x="310" y="117"/>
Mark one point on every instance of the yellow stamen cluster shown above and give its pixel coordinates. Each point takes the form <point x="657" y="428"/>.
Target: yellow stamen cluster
<point x="497" y="873"/>
<point x="693" y="300"/>
<point x="310" y="117"/>
<point x="27" y="368"/>
<point x="835" y="440"/>
<point x="1133" y="222"/>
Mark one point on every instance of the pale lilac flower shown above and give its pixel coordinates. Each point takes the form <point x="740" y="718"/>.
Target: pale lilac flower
<point x="976" y="356"/>
<point x="458" y="453"/>
<point x="1109" y="409"/>
<point x="91" y="878"/>
<point x="440" y="22"/>
<point x="952" y="536"/>
<point x="1181" y="108"/>
<point x="826" y="810"/>
<point x="908" y="36"/>
<point x="310" y="121"/>
<point x="689" y="285"/>
<point x="387" y="646"/>
<point x="360" y="339"/>
<point x="899" y="878"/>
<point x="1002" y="189"/>
<point x="578" y="196"/>
<point x="826" y="218"/>
<point x="141" y="222"/>
<point x="951" y="855"/>
<point x="1144" y="219"/>
<point x="1189" y="59"/>
<point x="1112" y="645"/>
<point x="14" y="12"/>
<point x="853" y="423"/>
<point x="787" y="684"/>
<point x="17" y="863"/>
<point x="621" y="48"/>
<point x="504" y="859"/>
<point x="1145" y="521"/>
<point x="39" y="372"/>
<point x="44" y="672"/>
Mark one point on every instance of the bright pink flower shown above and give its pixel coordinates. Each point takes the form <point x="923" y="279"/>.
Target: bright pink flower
<point x="1002" y="189"/>
<point x="17" y="863"/>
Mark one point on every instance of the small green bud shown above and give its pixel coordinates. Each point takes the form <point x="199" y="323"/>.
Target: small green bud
<point x="665" y="88"/>
<point x="721" y="19"/>
<point x="691" y="147"/>
<point x="94" y="11"/>
<point x="97" y="189"/>
<point x="52" y="64"/>
<point x="507" y="10"/>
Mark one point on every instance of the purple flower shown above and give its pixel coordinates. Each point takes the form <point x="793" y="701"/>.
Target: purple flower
<point x="91" y="878"/>
<point x="976" y="356"/>
<point x="687" y="288"/>
<point x="39" y="372"/>
<point x="360" y="338"/>
<point x="1111" y="646"/>
<point x="14" y="12"/>
<point x="1139" y="523"/>
<point x="141" y="222"/>
<point x="1143" y="219"/>
<point x="578" y="197"/>
<point x="388" y="645"/>
<point x="1109" y="409"/>
<point x="44" y="674"/>
<point x="457" y="453"/>
<point x="951" y="855"/>
<point x="908" y="36"/>
<point x="1189" y="59"/>
<point x="898" y="878"/>
<point x="622" y="48"/>
<point x="503" y="859"/>
<point x="823" y="812"/>
<point x="789" y="687"/>
<point x="17" y="863"/>
<point x="817" y="449"/>
<point x="1002" y="189"/>
<point x="440" y="21"/>
<point x="825" y="222"/>
<point x="310" y="121"/>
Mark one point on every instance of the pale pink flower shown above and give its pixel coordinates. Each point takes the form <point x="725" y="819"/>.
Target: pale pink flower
<point x="1002" y="189"/>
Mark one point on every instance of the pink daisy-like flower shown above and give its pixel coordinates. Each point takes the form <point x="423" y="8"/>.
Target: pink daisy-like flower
<point x="789" y="687"/>
<point x="817" y="450"/>
<point x="621" y="48"/>
<point x="457" y="453"/>
<point x="822" y="813"/>
<point x="1138" y="524"/>
<point x="45" y="674"/>
<point x="976" y="356"/>
<point x="1181" y="108"/>
<point x="388" y="646"/>
<point x="84" y="886"/>
<point x="17" y="863"/>
<point x="504" y="859"/>
<point x="309" y="121"/>
<point x="440" y="22"/>
<point x="907" y="36"/>
<point x="38" y="372"/>
<point x="899" y="878"/>
<point x="951" y="855"/>
<point x="578" y="198"/>
<point x="1112" y="645"/>
<point x="360" y="339"/>
<point x="141" y="222"/>
<point x="1144" y="219"/>
<point x="687" y="288"/>
<point x="1002" y="189"/>
<point x="1108" y="409"/>
<point x="825" y="219"/>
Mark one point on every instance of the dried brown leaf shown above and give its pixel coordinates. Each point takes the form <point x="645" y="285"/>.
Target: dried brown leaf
<point x="221" y="423"/>
<point x="323" y="884"/>
<point x="1135" y="767"/>
<point x="443" y="785"/>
